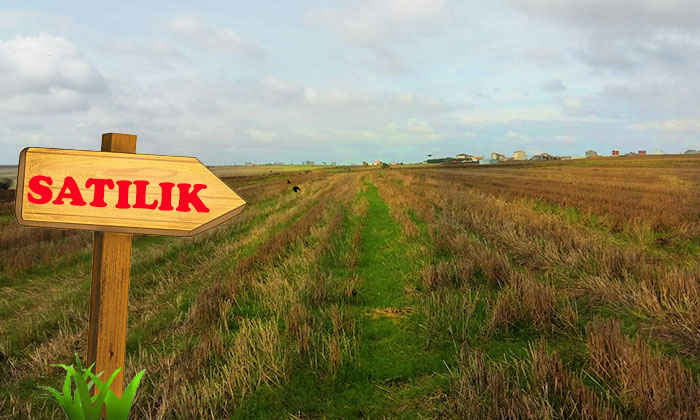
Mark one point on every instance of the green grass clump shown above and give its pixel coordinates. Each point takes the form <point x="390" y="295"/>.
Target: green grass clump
<point x="80" y="405"/>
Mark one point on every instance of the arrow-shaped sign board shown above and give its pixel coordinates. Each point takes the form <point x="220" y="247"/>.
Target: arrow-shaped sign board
<point x="115" y="193"/>
<point x="121" y="192"/>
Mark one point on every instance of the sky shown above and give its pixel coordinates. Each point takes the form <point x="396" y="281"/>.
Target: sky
<point x="351" y="81"/>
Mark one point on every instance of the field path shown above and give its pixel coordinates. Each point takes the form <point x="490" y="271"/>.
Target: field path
<point x="393" y="373"/>
<point x="396" y="365"/>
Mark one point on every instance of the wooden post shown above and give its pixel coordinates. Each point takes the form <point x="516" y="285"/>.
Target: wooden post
<point x="109" y="292"/>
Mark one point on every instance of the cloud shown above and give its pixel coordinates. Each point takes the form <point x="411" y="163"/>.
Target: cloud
<point x="624" y="34"/>
<point x="516" y="136"/>
<point x="149" y="49"/>
<point x="34" y="20"/>
<point x="544" y="56"/>
<point x="160" y="54"/>
<point x="669" y="125"/>
<point x="501" y="115"/>
<point x="45" y="73"/>
<point x="631" y="101"/>
<point x="553" y="86"/>
<point x="614" y="16"/>
<point x="56" y="100"/>
<point x="262" y="135"/>
<point x="12" y="18"/>
<point x="565" y="139"/>
<point x="384" y="21"/>
<point x="203" y="37"/>
<point x="381" y="27"/>
<point x="416" y="9"/>
<point x="572" y="105"/>
<point x="275" y="91"/>
<point x="224" y="121"/>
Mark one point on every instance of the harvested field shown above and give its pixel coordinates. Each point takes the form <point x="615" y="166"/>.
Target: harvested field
<point x="567" y="290"/>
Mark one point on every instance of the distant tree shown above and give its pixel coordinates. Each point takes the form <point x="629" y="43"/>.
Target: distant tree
<point x="5" y="183"/>
<point x="365" y="163"/>
<point x="309" y="163"/>
<point x="385" y="165"/>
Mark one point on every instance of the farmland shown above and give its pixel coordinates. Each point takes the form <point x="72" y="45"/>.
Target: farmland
<point x="565" y="290"/>
<point x="220" y="171"/>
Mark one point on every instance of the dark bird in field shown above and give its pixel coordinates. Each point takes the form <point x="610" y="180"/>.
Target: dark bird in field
<point x="289" y="182"/>
<point x="296" y="189"/>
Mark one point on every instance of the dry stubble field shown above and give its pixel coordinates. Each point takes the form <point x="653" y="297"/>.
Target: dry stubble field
<point x="566" y="290"/>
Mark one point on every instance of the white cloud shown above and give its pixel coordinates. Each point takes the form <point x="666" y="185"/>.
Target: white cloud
<point x="149" y="49"/>
<point x="262" y="135"/>
<point x="416" y="9"/>
<point x="56" y="100"/>
<point x="668" y="125"/>
<point x="610" y="16"/>
<point x="624" y="34"/>
<point x="565" y="139"/>
<point x="381" y="27"/>
<point x="325" y="102"/>
<point x="35" y="19"/>
<point x="206" y="38"/>
<point x="554" y="85"/>
<point x="420" y="127"/>
<point x="11" y="18"/>
<point x="516" y="136"/>
<point x="45" y="73"/>
<point x="508" y="114"/>
<point x="572" y="105"/>
<point x="377" y="22"/>
<point x="545" y="56"/>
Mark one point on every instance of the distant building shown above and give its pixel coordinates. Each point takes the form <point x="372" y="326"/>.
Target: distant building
<point x="465" y="158"/>
<point x="616" y="153"/>
<point x="692" y="152"/>
<point x="642" y="152"/>
<point x="499" y="157"/>
<point x="377" y="162"/>
<point x="591" y="153"/>
<point x="519" y="155"/>
<point x="545" y="156"/>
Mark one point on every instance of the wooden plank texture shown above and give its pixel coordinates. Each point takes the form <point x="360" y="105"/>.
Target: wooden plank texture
<point x="58" y="164"/>
<point x="109" y="291"/>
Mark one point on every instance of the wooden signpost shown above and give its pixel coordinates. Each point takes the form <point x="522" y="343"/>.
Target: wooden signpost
<point x="117" y="194"/>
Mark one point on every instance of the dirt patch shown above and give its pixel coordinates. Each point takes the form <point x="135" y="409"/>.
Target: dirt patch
<point x="390" y="312"/>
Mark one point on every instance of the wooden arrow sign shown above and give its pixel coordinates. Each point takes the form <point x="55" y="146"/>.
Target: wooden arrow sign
<point x="121" y="192"/>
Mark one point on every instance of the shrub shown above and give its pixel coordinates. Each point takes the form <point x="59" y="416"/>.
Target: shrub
<point x="5" y="183"/>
